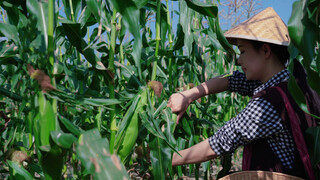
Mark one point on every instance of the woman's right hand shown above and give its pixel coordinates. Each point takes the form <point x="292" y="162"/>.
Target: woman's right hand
<point x="179" y="102"/>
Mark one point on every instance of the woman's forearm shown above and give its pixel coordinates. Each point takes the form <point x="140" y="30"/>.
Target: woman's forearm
<point x="212" y="86"/>
<point x="179" y="102"/>
<point x="198" y="153"/>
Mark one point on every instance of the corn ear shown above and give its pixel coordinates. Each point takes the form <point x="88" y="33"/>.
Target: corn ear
<point x="130" y="133"/>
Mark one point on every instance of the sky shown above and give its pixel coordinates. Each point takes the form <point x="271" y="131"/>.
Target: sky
<point x="282" y="7"/>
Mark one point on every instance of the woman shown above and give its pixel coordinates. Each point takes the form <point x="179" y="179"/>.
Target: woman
<point x="262" y="126"/>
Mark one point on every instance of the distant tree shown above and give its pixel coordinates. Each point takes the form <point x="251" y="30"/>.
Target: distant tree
<point x="232" y="12"/>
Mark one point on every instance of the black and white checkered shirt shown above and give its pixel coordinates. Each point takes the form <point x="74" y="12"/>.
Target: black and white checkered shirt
<point x="258" y="119"/>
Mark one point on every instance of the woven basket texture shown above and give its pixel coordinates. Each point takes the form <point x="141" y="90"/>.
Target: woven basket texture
<point x="259" y="175"/>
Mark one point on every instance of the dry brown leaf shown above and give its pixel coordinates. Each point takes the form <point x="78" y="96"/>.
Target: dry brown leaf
<point x="42" y="78"/>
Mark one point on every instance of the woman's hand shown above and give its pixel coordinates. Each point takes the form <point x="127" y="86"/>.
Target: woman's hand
<point x="179" y="102"/>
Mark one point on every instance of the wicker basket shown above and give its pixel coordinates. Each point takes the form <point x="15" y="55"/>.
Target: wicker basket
<point x="259" y="175"/>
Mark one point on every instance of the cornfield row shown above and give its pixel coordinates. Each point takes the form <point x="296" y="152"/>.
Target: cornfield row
<point x="84" y="84"/>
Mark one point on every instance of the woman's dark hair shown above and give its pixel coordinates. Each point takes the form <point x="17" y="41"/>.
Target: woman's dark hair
<point x="280" y="51"/>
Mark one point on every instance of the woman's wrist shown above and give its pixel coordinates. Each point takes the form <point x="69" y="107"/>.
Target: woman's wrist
<point x="194" y="93"/>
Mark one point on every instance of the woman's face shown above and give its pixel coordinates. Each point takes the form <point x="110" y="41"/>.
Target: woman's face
<point x="251" y="60"/>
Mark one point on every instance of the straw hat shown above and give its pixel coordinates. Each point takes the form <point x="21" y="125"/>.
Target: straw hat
<point x="265" y="26"/>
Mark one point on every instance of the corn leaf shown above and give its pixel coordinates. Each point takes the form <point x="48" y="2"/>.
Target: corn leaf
<point x="303" y="33"/>
<point x="39" y="10"/>
<point x="203" y="8"/>
<point x="10" y="32"/>
<point x="93" y="152"/>
<point x="10" y="94"/>
<point x="70" y="126"/>
<point x="47" y="119"/>
<point x="185" y="21"/>
<point x="97" y="9"/>
<point x="64" y="140"/>
<point x="313" y="143"/>
<point x="73" y="32"/>
<point x="17" y="172"/>
<point x="130" y="12"/>
<point x="160" y="156"/>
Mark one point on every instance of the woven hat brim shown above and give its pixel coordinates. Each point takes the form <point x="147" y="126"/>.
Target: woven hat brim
<point x="232" y="38"/>
<point x="266" y="26"/>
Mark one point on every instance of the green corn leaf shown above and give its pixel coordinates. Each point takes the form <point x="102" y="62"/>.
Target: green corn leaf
<point x="186" y="126"/>
<point x="12" y="11"/>
<point x="130" y="12"/>
<point x="81" y="100"/>
<point x="297" y="93"/>
<point x="39" y="10"/>
<point x="203" y="8"/>
<point x="171" y="119"/>
<point x="150" y="126"/>
<point x="179" y="41"/>
<point x="214" y="40"/>
<point x="8" y="60"/>
<point x="127" y="140"/>
<point x="47" y="119"/>
<point x="140" y="3"/>
<point x="93" y="152"/>
<point x="64" y="140"/>
<point x="160" y="156"/>
<point x="181" y="144"/>
<point x="226" y="166"/>
<point x="7" y="52"/>
<point x="5" y="92"/>
<point x="293" y="86"/>
<point x="160" y="108"/>
<point x="10" y="32"/>
<point x="303" y="33"/>
<point x="74" y="129"/>
<point x="97" y="9"/>
<point x="313" y="143"/>
<point x="64" y="20"/>
<point x="101" y="101"/>
<point x="15" y="78"/>
<point x="35" y="117"/>
<point x="125" y="121"/>
<point x="84" y="16"/>
<point x="153" y="127"/>
<point x="52" y="163"/>
<point x="185" y="21"/>
<point x="76" y="5"/>
<point x="313" y="79"/>
<point x="223" y="41"/>
<point x="163" y="20"/>
<point x="73" y="32"/>
<point x="17" y="172"/>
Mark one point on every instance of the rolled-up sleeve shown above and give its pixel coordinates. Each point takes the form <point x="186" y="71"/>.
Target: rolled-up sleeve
<point x="258" y="120"/>
<point x="239" y="83"/>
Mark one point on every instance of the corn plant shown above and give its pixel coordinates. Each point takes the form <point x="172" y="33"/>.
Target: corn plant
<point x="305" y="41"/>
<point x="84" y="85"/>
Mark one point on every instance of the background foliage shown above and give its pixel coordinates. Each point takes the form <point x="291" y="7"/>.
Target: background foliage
<point x="84" y="84"/>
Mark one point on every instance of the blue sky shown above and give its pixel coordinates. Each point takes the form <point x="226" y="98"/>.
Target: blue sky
<point x="282" y="7"/>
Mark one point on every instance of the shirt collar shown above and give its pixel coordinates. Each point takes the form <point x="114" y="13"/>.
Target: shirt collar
<point x="276" y="79"/>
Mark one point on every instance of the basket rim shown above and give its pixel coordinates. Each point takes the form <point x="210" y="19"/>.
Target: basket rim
<point x="260" y="173"/>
